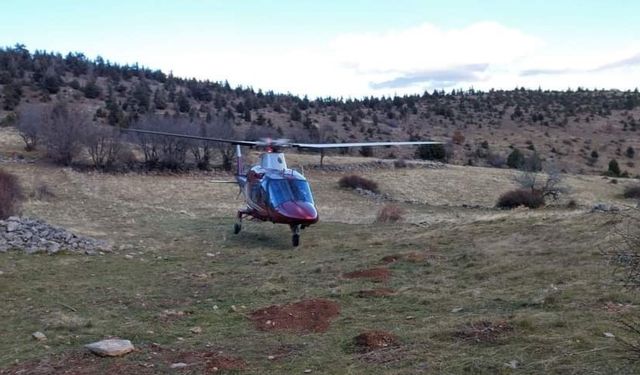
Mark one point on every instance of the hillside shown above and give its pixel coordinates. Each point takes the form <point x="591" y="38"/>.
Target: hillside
<point x="579" y="131"/>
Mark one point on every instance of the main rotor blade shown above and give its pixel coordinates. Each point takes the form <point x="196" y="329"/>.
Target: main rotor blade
<point x="209" y="139"/>
<point x="362" y="144"/>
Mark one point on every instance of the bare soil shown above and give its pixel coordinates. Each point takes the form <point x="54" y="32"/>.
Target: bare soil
<point x="312" y="315"/>
<point x="372" y="340"/>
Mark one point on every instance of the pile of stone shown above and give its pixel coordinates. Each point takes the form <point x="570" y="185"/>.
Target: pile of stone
<point x="34" y="235"/>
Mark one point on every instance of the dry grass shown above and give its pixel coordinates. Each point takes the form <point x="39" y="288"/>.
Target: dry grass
<point x="541" y="270"/>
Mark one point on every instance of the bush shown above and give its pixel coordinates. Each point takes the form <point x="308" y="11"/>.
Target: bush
<point x="632" y="191"/>
<point x="390" y="213"/>
<point x="521" y="197"/>
<point x="354" y="181"/>
<point x="10" y="195"/>
<point x="614" y="169"/>
<point x="63" y="133"/>
<point x="433" y="152"/>
<point x="515" y="159"/>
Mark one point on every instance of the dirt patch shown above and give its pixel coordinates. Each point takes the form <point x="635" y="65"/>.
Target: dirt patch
<point x="484" y="331"/>
<point x="375" y="274"/>
<point x="373" y="340"/>
<point x="312" y="315"/>
<point x="416" y="257"/>
<point x="377" y="292"/>
<point x="210" y="361"/>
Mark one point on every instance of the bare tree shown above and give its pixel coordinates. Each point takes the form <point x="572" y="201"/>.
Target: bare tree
<point x="103" y="144"/>
<point x="32" y="118"/>
<point x="550" y="184"/>
<point x="63" y="133"/>
<point x="163" y="151"/>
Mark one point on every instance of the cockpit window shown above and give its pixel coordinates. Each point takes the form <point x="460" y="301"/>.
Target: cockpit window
<point x="284" y="190"/>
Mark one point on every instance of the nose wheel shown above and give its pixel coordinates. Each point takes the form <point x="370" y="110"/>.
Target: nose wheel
<point x="295" y="235"/>
<point x="237" y="226"/>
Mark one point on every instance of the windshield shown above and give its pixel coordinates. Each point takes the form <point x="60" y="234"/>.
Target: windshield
<point x="284" y="190"/>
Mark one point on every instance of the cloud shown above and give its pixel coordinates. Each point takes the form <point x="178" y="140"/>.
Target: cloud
<point x="435" y="78"/>
<point x="627" y="62"/>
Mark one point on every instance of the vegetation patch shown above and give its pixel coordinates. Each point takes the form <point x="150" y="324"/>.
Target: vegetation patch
<point x="390" y="213"/>
<point x="521" y="197"/>
<point x="377" y="292"/>
<point x="312" y="315"/>
<point x="380" y="274"/>
<point x="11" y="194"/>
<point x="483" y="331"/>
<point x="357" y="182"/>
<point x="632" y="191"/>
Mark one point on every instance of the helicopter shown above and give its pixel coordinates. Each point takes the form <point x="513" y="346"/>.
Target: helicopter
<point x="272" y="191"/>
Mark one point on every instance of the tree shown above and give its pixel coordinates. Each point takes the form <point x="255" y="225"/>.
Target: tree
<point x="614" y="168"/>
<point x="31" y="120"/>
<point x="12" y="93"/>
<point x="515" y="159"/>
<point x="183" y="103"/>
<point x="160" y="98"/>
<point x="103" y="145"/>
<point x="630" y="152"/>
<point x="92" y="90"/>
<point x="63" y="132"/>
<point x="51" y="81"/>
<point x="436" y="152"/>
<point x="296" y="115"/>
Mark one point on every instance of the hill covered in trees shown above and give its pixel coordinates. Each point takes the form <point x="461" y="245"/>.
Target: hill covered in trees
<point x="578" y="130"/>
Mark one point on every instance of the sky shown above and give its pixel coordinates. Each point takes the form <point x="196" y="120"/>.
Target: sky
<point x="345" y="48"/>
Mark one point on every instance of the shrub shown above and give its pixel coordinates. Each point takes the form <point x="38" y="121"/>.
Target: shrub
<point x="354" y="181"/>
<point x="10" y="194"/>
<point x="433" y="152"/>
<point x="63" y="133"/>
<point x="42" y="192"/>
<point x="614" y="169"/>
<point x="632" y="191"/>
<point x="390" y="213"/>
<point x="521" y="197"/>
<point x="515" y="159"/>
<point x="400" y="163"/>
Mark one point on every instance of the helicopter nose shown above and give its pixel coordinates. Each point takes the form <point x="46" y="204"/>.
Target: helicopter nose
<point x="299" y="211"/>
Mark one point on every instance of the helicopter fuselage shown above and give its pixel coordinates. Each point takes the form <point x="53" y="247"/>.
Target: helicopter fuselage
<point x="278" y="194"/>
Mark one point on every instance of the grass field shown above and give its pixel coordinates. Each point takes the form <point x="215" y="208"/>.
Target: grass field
<point x="535" y="280"/>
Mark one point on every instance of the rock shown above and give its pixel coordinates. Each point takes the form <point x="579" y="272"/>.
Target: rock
<point x="196" y="330"/>
<point x="457" y="309"/>
<point x="39" y="336"/>
<point x="13" y="226"/>
<point x="609" y="335"/>
<point x="178" y="365"/>
<point x="307" y="371"/>
<point x="603" y="207"/>
<point x="512" y="364"/>
<point x="111" y="347"/>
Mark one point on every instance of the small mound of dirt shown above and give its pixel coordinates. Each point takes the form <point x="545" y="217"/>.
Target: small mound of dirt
<point x="312" y="315"/>
<point x="211" y="362"/>
<point x="377" y="292"/>
<point x="484" y="331"/>
<point x="375" y="274"/>
<point x="372" y="340"/>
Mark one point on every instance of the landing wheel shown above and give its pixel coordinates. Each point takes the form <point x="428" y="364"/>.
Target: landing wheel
<point x="237" y="227"/>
